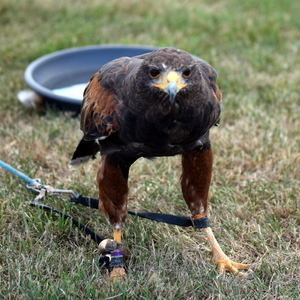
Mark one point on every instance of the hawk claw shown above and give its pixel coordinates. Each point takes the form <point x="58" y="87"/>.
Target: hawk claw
<point x="117" y="273"/>
<point x="221" y="259"/>
<point x="226" y="264"/>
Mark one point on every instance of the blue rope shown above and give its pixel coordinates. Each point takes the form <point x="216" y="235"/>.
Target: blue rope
<point x="16" y="172"/>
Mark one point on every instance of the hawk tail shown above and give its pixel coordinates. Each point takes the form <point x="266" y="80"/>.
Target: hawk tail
<point x="85" y="151"/>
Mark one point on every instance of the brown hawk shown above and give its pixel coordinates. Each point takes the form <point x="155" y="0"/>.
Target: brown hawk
<point x="161" y="103"/>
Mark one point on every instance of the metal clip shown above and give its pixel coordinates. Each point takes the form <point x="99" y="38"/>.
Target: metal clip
<point x="44" y="190"/>
<point x="40" y="196"/>
<point x="35" y="185"/>
<point x="57" y="193"/>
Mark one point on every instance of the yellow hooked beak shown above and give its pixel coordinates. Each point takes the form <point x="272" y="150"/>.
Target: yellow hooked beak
<point x="171" y="83"/>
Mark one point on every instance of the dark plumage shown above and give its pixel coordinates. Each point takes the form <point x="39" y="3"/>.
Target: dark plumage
<point x="158" y="104"/>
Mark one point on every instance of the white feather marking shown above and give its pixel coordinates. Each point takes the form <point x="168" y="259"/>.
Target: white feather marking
<point x="118" y="226"/>
<point x="79" y="160"/>
<point x="101" y="138"/>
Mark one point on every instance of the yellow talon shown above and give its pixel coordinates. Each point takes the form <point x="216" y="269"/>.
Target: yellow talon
<point x="117" y="273"/>
<point x="226" y="264"/>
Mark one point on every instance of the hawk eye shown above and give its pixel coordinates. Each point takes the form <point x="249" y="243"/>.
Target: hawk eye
<point x="154" y="73"/>
<point x="186" y="73"/>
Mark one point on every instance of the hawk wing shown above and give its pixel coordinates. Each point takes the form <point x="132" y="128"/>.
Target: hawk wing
<point x="100" y="105"/>
<point x="98" y="111"/>
<point x="210" y="76"/>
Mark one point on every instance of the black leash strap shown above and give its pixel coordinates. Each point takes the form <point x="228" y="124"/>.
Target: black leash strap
<point x="159" y="217"/>
<point x="172" y="219"/>
<point x="86" y="201"/>
<point x="94" y="236"/>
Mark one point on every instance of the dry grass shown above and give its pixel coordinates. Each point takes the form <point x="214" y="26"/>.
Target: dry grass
<point x="254" y="45"/>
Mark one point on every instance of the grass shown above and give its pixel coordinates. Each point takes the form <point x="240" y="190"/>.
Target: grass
<point x="254" y="46"/>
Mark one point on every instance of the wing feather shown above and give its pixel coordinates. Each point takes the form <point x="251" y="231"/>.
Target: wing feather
<point x="210" y="75"/>
<point x="104" y="94"/>
<point x="98" y="111"/>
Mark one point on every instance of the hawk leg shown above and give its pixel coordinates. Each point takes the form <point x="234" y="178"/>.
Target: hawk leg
<point x="112" y="180"/>
<point x="195" y="182"/>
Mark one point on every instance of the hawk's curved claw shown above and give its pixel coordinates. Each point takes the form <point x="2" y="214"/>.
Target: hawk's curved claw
<point x="117" y="273"/>
<point x="226" y="264"/>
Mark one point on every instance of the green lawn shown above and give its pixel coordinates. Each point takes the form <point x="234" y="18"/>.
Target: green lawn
<point x="255" y="47"/>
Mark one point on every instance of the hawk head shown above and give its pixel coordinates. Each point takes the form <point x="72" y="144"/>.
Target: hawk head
<point x="166" y="73"/>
